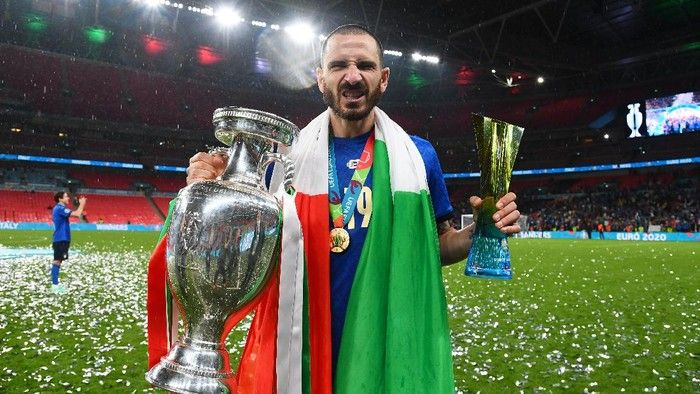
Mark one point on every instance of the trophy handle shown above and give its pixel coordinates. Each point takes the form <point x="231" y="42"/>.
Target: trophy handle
<point x="268" y="158"/>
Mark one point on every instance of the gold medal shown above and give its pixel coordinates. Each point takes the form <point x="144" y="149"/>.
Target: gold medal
<point x="340" y="240"/>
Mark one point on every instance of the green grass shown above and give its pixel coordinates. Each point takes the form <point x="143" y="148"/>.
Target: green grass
<point x="596" y="315"/>
<point x="578" y="315"/>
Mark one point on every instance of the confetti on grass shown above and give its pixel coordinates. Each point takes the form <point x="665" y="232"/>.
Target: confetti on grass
<point x="565" y="323"/>
<point x="579" y="317"/>
<point x="92" y="338"/>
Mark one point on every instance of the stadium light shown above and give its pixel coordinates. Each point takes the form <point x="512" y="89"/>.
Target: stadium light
<point x="425" y="58"/>
<point x="606" y="136"/>
<point x="227" y="17"/>
<point x="154" y="45"/>
<point x="540" y="80"/>
<point x="493" y="71"/>
<point x="300" y="32"/>
<point x="97" y="34"/>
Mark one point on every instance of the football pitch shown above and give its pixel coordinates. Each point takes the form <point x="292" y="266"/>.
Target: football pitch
<point x="579" y="316"/>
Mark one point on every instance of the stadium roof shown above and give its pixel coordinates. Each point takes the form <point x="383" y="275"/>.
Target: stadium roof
<point x="573" y="45"/>
<point x="480" y="49"/>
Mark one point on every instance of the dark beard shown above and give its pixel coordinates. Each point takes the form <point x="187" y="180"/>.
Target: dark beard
<point x="352" y="114"/>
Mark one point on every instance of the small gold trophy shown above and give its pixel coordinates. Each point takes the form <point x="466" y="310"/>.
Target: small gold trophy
<point x="497" y="145"/>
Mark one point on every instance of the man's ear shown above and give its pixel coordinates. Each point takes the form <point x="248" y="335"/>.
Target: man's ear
<point x="384" y="82"/>
<point x="319" y="79"/>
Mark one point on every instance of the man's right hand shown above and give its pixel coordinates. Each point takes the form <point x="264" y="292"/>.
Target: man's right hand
<point x="205" y="166"/>
<point x="82" y="200"/>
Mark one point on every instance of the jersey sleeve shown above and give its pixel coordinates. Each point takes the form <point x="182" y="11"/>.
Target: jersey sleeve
<point x="436" y="181"/>
<point x="65" y="212"/>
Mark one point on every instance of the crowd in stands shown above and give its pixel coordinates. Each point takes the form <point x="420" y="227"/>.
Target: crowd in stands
<point x="681" y="125"/>
<point x="621" y="210"/>
<point x="661" y="203"/>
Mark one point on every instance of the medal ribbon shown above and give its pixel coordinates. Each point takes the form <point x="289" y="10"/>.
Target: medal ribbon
<point x="341" y="213"/>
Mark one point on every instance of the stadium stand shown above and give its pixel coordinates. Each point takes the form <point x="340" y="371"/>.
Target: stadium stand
<point x="103" y="181"/>
<point x="124" y="107"/>
<point x="170" y="184"/>
<point x="630" y="202"/>
<point x="162" y="203"/>
<point x="26" y="206"/>
<point x="31" y="206"/>
<point x="121" y="210"/>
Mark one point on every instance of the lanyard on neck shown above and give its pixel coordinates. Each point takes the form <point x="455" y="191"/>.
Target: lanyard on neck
<point x="341" y="213"/>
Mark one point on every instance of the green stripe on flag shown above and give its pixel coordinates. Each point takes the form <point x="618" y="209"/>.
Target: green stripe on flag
<point x="396" y="338"/>
<point x="166" y="225"/>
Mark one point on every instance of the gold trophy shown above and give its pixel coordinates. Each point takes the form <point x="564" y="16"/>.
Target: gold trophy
<point x="497" y="145"/>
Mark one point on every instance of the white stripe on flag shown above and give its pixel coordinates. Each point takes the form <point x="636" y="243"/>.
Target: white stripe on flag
<point x="291" y="300"/>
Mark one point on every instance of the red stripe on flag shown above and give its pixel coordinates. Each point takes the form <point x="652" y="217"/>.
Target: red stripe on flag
<point x="257" y="369"/>
<point x="156" y="310"/>
<point x="367" y="157"/>
<point x="257" y="366"/>
<point x="313" y="214"/>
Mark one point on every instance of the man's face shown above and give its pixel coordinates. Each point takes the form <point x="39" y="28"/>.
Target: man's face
<point x="350" y="76"/>
<point x="65" y="199"/>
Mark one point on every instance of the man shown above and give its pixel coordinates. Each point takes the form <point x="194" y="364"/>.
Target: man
<point x="61" y="235"/>
<point x="379" y="321"/>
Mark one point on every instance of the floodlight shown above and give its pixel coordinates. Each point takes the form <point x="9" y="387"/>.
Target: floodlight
<point x="540" y="80"/>
<point x="226" y="16"/>
<point x="393" y="53"/>
<point x="300" y="32"/>
<point x="153" y="3"/>
<point x="425" y="58"/>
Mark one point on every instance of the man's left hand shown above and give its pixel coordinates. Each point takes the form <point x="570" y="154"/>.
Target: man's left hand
<point x="506" y="218"/>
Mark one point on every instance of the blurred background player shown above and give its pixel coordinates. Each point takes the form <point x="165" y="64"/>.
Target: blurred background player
<point x="61" y="234"/>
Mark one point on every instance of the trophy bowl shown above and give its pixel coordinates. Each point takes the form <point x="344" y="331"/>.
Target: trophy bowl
<point x="223" y="246"/>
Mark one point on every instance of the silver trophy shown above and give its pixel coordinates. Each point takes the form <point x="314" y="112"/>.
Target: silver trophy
<point x="223" y="245"/>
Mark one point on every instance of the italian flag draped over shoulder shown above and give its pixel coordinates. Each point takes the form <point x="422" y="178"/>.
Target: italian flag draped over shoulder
<point x="396" y="338"/>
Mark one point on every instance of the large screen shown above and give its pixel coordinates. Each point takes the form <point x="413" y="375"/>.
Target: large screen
<point x="673" y="114"/>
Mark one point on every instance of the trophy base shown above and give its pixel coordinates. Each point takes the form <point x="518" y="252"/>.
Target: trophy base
<point x="489" y="257"/>
<point x="194" y="367"/>
<point x="489" y="273"/>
